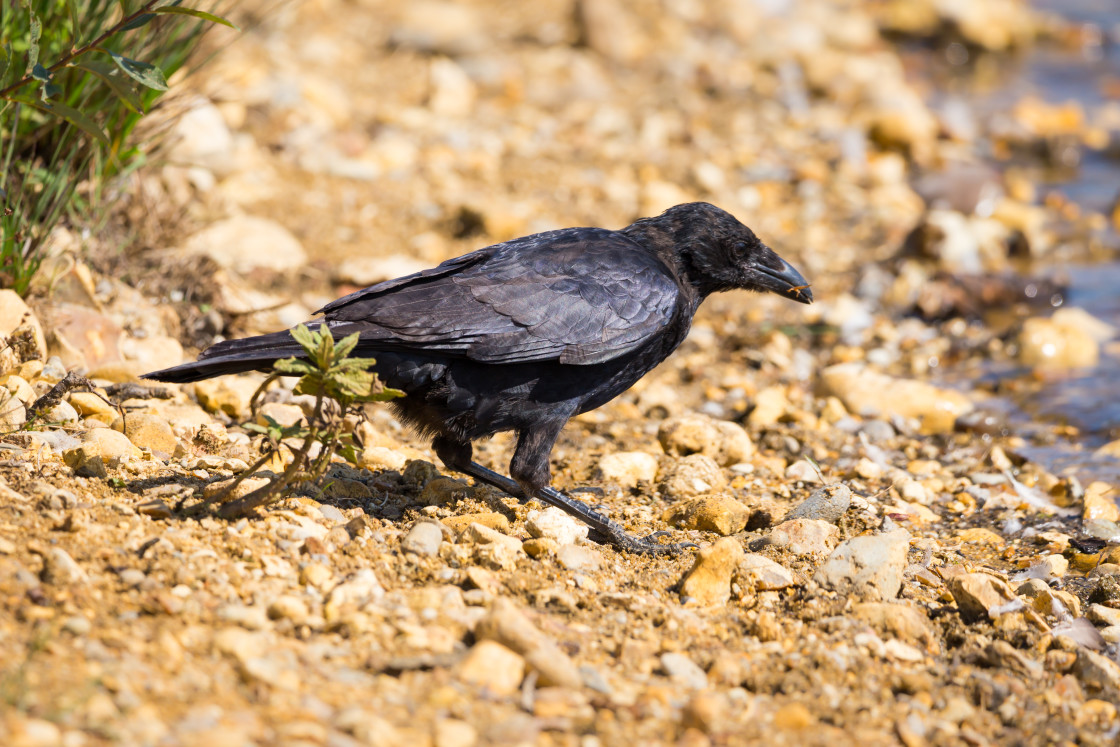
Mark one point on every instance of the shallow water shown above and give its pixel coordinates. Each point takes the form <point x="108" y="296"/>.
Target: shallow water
<point x="1090" y="400"/>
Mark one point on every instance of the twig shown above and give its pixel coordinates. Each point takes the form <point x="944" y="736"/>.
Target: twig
<point x="75" y="53"/>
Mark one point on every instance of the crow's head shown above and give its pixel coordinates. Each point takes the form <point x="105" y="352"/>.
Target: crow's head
<point x="719" y="253"/>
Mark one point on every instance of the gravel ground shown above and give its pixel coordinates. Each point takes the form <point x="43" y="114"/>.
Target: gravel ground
<point x="878" y="563"/>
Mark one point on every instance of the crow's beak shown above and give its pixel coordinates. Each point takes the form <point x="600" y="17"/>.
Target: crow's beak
<point x="785" y="281"/>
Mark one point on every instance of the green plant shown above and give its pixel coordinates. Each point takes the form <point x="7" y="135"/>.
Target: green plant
<point x="95" y="67"/>
<point x="340" y="385"/>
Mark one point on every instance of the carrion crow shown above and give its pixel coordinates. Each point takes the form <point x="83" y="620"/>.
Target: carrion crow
<point x="523" y="335"/>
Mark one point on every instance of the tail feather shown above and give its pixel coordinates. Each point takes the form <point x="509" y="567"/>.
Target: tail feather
<point x="232" y="356"/>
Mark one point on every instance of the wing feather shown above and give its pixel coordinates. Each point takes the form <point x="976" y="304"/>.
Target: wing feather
<point x="578" y="296"/>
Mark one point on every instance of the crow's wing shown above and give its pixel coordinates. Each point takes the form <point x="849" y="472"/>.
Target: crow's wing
<point x="577" y="296"/>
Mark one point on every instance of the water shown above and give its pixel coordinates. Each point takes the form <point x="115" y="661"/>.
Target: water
<point x="1089" y="401"/>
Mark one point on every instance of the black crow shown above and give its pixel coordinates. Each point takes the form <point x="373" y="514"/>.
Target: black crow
<point x="523" y="335"/>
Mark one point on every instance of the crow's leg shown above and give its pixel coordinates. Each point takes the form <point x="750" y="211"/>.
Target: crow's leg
<point x="457" y="455"/>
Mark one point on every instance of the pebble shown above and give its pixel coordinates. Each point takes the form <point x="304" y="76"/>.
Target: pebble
<point x="579" y="558"/>
<point x="709" y="579"/>
<point x="244" y="243"/>
<point x="509" y="626"/>
<point x="552" y="523"/>
<point x="443" y="490"/>
<point x="803" y="471"/>
<point x="872" y="564"/>
<point x="156" y="509"/>
<point x="980" y="595"/>
<point x="227" y="394"/>
<point x="89" y="404"/>
<point x="684" y="671"/>
<point x="492" y="666"/>
<point x="870" y="394"/>
<point x="536" y="548"/>
<point x="719" y="513"/>
<point x="494" y="549"/>
<point x="86" y="460"/>
<point x="61" y="569"/>
<point x="628" y="468"/>
<point x="761" y="573"/>
<point x="246" y="486"/>
<point x="288" y="607"/>
<point x="423" y="539"/>
<point x="693" y="475"/>
<point x="804" y="536"/>
<point x="824" y="504"/>
<point x="725" y="442"/>
<point x="14" y="314"/>
<point x="1096" y="671"/>
<point x="1099" y="503"/>
<point x="149" y="432"/>
<point x="375" y="458"/>
<point x="453" y="732"/>
<point x="1050" y="344"/>
<point x="902" y="620"/>
<point x="357" y="590"/>
<point x="112" y="445"/>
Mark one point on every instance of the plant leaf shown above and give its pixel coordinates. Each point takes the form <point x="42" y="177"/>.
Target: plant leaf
<point x="175" y="10"/>
<point x="36" y="34"/>
<point x="38" y="72"/>
<point x="73" y="116"/>
<point x="73" y="7"/>
<point x="142" y="72"/>
<point x="305" y="337"/>
<point x="116" y="81"/>
<point x="343" y="347"/>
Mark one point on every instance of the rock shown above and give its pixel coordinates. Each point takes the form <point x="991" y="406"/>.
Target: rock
<point x="1100" y="503"/>
<point x="491" y="520"/>
<point x="201" y="138"/>
<point x="1103" y="616"/>
<point x="61" y="569"/>
<point x="228" y="394"/>
<point x="1049" y="601"/>
<point x="19" y="387"/>
<point x="555" y="524"/>
<point x="804" y="536"/>
<point x="440" y="27"/>
<point x="452" y="93"/>
<point x="492" y="666"/>
<point x="284" y="414"/>
<point x="725" y="442"/>
<point x="873" y="564"/>
<point x="980" y="596"/>
<point x="359" y="589"/>
<point x="494" y="549"/>
<point x="1051" y="344"/>
<point x="147" y="354"/>
<point x="246" y="486"/>
<point x="113" y="445"/>
<point x="1096" y="672"/>
<point x="63" y="412"/>
<point x="288" y="607"/>
<point x="770" y="405"/>
<point x="684" y="671"/>
<point x="377" y="458"/>
<point x="719" y="513"/>
<point x="85" y="460"/>
<point x="509" y="626"/>
<point x="346" y="489"/>
<point x="763" y="574"/>
<point x="824" y="504"/>
<point x="245" y="243"/>
<point x="13" y="412"/>
<point x="89" y="404"/>
<point x="709" y="579"/>
<point x="443" y="490"/>
<point x="149" y="432"/>
<point x="424" y="539"/>
<point x="696" y="474"/>
<point x="17" y="316"/>
<point x="156" y="509"/>
<point x="803" y="471"/>
<point x="579" y="558"/>
<point x="453" y="732"/>
<point x="628" y="468"/>
<point x="363" y="271"/>
<point x="870" y="394"/>
<point x="536" y="548"/>
<point x="901" y="620"/>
